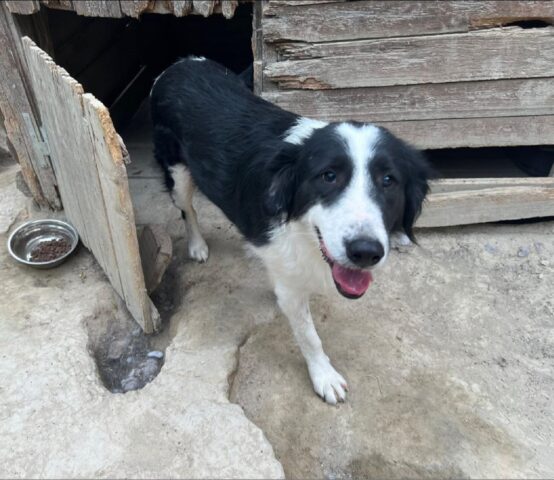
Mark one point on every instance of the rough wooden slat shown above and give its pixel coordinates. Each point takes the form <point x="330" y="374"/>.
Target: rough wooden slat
<point x="119" y="209"/>
<point x="180" y="8"/>
<point x="228" y="7"/>
<point x="384" y="18"/>
<point x="258" y="48"/>
<point x="480" y="55"/>
<point x="133" y="8"/>
<point x="155" y="252"/>
<point x="91" y="176"/>
<point x="98" y="8"/>
<point x="486" y="205"/>
<point x="499" y="98"/>
<point x="295" y="3"/>
<point x="16" y="105"/>
<point x="58" y="4"/>
<point x="24" y="7"/>
<point x="445" y="185"/>
<point x="476" y="132"/>
<point x="203" y="7"/>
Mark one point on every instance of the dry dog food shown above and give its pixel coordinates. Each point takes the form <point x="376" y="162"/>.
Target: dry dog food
<point x="50" y="250"/>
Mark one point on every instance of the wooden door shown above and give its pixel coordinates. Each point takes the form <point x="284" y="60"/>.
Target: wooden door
<point x="88" y="162"/>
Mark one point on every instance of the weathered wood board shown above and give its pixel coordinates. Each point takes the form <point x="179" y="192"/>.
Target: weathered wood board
<point x="486" y="205"/>
<point x="23" y="7"/>
<point x="309" y="22"/>
<point x="503" y="98"/>
<point x="19" y="117"/>
<point x="498" y="53"/>
<point x="88" y="162"/>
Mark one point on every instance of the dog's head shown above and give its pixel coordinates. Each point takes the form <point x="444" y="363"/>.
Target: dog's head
<point x="354" y="184"/>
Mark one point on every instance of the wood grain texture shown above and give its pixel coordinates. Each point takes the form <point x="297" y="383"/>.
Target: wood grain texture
<point x="501" y="98"/>
<point x="203" y="7"/>
<point x="445" y="185"/>
<point x="98" y="8"/>
<point x="228" y="8"/>
<point x="23" y="7"/>
<point x="92" y="180"/>
<point x="133" y="8"/>
<point x="381" y="18"/>
<point x="483" y="55"/>
<point x="486" y="205"/>
<point x="58" y="4"/>
<point x="20" y="118"/>
<point x="181" y="8"/>
<point x="476" y="132"/>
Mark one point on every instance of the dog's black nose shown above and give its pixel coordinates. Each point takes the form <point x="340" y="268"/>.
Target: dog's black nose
<point x="364" y="252"/>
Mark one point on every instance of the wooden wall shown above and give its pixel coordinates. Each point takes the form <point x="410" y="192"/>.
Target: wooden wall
<point x="438" y="73"/>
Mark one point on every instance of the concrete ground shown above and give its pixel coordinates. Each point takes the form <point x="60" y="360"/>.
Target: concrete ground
<point x="449" y="359"/>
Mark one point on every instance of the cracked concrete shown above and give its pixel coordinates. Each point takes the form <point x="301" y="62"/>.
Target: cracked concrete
<point x="58" y="421"/>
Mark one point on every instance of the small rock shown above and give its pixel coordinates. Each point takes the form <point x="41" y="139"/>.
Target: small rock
<point x="155" y="354"/>
<point x="523" y="252"/>
<point x="539" y="247"/>
<point x="130" y="383"/>
<point x="544" y="263"/>
<point x="491" y="248"/>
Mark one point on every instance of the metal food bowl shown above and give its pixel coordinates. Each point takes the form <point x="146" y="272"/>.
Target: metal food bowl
<point x="26" y="238"/>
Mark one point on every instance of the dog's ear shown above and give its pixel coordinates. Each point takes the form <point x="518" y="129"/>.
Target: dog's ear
<point x="418" y="173"/>
<point x="282" y="173"/>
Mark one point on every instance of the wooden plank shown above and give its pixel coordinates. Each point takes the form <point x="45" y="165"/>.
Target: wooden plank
<point x="91" y="177"/>
<point x="476" y="132"/>
<point x="58" y="4"/>
<point x="481" y="55"/>
<point x="203" y="7"/>
<point x="257" y="48"/>
<point x="98" y="8"/>
<point x="228" y="8"/>
<point x="500" y="98"/>
<point x="121" y="219"/>
<point x="155" y="252"/>
<point x="23" y="7"/>
<point x="311" y="22"/>
<point x="20" y="118"/>
<point x="486" y="205"/>
<point x="133" y="8"/>
<point x="445" y="185"/>
<point x="181" y="8"/>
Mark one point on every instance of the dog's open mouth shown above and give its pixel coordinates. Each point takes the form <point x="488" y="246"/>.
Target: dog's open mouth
<point x="350" y="282"/>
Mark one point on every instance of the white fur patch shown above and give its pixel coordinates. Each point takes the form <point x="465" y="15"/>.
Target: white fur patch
<point x="302" y="129"/>
<point x="195" y="58"/>
<point x="355" y="214"/>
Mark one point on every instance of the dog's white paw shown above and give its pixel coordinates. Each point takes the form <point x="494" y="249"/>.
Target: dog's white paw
<point x="399" y="239"/>
<point x="198" y="249"/>
<point x="328" y="383"/>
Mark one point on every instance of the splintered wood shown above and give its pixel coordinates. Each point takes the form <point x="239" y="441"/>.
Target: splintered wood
<point x="92" y="179"/>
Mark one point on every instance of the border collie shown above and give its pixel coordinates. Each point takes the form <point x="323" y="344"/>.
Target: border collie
<point x="318" y="202"/>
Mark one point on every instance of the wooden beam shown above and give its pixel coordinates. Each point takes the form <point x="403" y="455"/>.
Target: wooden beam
<point x="482" y="55"/>
<point x="310" y="22"/>
<point x="133" y="8"/>
<point x="20" y="117"/>
<point x="98" y="8"/>
<point x="486" y="205"/>
<point x="500" y="98"/>
<point x="446" y="185"/>
<point x="23" y="7"/>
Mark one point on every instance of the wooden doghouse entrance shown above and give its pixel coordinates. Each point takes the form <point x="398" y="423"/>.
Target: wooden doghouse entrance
<point x="444" y="75"/>
<point x="63" y="118"/>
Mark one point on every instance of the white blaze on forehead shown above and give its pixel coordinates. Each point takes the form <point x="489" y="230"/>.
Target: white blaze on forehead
<point x="302" y="129"/>
<point x="355" y="214"/>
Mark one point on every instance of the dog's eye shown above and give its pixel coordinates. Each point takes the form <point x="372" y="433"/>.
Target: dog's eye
<point x="388" y="180"/>
<point x="329" y="176"/>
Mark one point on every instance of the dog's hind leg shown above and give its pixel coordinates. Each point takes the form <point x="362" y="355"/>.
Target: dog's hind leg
<point x="168" y="152"/>
<point x="327" y="382"/>
<point x="182" y="192"/>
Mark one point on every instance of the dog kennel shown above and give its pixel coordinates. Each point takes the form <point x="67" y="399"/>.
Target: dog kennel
<point x="472" y="82"/>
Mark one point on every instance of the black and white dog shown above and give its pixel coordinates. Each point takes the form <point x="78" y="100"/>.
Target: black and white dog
<point x="318" y="202"/>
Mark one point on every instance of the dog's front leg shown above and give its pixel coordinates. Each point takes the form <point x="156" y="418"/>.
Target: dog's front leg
<point x="327" y="382"/>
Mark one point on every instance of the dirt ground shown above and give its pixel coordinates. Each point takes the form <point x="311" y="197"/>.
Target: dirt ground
<point x="449" y="359"/>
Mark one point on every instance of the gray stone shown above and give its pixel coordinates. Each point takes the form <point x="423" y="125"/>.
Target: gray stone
<point x="523" y="252"/>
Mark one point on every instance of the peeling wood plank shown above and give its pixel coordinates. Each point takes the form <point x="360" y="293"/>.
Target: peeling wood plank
<point x="23" y="7"/>
<point x="16" y="105"/>
<point x="92" y="178"/>
<point x="501" y="98"/>
<point x="133" y="8"/>
<point x="98" y="8"/>
<point x="310" y="22"/>
<point x="482" y="55"/>
<point x="476" y="132"/>
<point x="445" y="185"/>
<point x="486" y="205"/>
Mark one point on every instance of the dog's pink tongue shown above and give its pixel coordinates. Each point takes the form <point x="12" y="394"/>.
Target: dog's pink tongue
<point x="352" y="282"/>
